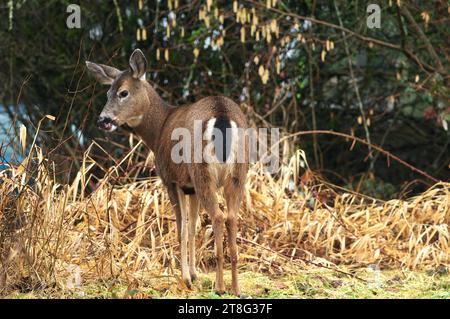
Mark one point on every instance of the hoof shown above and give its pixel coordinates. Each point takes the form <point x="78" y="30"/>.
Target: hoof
<point x="187" y="282"/>
<point x="219" y="292"/>
<point x="219" y="288"/>
<point x="194" y="276"/>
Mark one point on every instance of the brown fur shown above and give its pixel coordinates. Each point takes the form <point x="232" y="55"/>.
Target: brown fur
<point x="154" y="120"/>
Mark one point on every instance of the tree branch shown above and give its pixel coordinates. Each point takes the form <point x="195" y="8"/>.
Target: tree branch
<point x="424" y="66"/>
<point x="424" y="38"/>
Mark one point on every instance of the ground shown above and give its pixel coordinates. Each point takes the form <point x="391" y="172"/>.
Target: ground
<point x="314" y="283"/>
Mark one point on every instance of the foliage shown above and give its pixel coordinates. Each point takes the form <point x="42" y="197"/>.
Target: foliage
<point x="312" y="283"/>
<point x="285" y="61"/>
<point x="62" y="238"/>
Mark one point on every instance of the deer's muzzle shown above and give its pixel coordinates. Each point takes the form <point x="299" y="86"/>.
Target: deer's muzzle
<point x="106" y="124"/>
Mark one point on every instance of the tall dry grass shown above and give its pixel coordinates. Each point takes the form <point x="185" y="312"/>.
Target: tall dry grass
<point x="59" y="236"/>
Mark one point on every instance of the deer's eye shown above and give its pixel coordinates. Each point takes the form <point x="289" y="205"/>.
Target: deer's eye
<point x="123" y="94"/>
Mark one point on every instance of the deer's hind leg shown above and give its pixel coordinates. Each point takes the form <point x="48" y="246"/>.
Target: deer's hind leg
<point x="173" y="197"/>
<point x="193" y="215"/>
<point x="233" y="191"/>
<point x="182" y="200"/>
<point x="205" y="190"/>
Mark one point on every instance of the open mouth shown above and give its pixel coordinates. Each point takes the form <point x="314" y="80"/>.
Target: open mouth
<point x="107" y="124"/>
<point x="109" y="127"/>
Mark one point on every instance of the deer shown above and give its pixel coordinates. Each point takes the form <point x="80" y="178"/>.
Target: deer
<point x="191" y="185"/>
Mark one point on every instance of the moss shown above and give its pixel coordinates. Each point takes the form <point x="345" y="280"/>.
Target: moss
<point x="316" y="283"/>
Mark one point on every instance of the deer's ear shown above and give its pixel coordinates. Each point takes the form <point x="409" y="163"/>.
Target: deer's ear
<point x="103" y="73"/>
<point x="138" y="64"/>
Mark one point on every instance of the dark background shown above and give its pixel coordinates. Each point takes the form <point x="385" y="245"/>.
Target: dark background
<point x="402" y="79"/>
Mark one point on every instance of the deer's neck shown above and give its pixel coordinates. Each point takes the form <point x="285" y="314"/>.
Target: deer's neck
<point x="155" y="114"/>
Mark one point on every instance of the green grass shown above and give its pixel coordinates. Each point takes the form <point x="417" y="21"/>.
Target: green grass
<point x="316" y="283"/>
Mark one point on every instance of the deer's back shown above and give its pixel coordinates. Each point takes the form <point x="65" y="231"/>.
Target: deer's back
<point x="216" y="110"/>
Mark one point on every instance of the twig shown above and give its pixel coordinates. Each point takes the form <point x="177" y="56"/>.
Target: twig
<point x="355" y="86"/>
<point x="424" y="38"/>
<point x="360" y="140"/>
<point x="119" y="15"/>
<point x="424" y="66"/>
<point x="313" y="106"/>
<point x="299" y="258"/>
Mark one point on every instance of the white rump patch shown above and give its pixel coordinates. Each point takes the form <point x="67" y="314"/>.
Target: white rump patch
<point x="234" y="148"/>
<point x="233" y="135"/>
<point x="209" y="128"/>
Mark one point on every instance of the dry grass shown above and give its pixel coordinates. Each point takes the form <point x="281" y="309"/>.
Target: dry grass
<point x="55" y="236"/>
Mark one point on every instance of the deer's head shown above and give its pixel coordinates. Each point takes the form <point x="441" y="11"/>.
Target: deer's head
<point x="126" y="95"/>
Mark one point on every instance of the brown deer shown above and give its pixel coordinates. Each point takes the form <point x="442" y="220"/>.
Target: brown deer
<point x="190" y="184"/>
